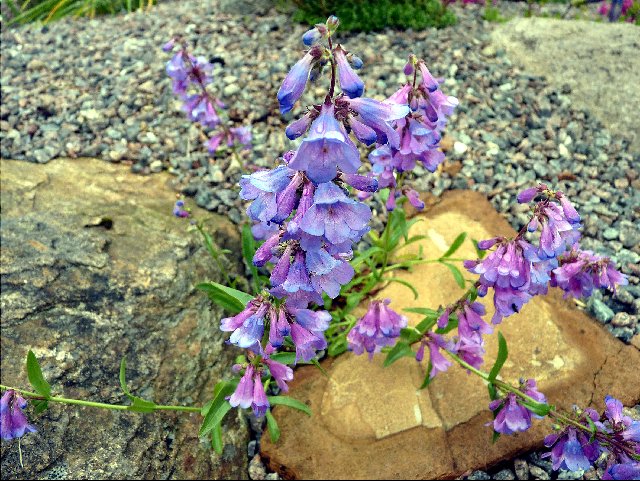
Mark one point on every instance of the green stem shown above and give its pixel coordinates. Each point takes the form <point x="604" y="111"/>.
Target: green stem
<point x="509" y="388"/>
<point x="80" y="402"/>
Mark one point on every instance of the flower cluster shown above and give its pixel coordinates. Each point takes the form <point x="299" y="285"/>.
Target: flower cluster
<point x="512" y="415"/>
<point x="13" y="422"/>
<point x="379" y="327"/>
<point x="617" y="9"/>
<point x="190" y="77"/>
<point x="417" y="135"/>
<point x="612" y="433"/>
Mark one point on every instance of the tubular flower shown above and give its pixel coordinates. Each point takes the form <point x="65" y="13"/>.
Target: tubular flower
<point x="379" y="327"/>
<point x="296" y="80"/>
<point x="350" y="83"/>
<point x="13" y="422"/>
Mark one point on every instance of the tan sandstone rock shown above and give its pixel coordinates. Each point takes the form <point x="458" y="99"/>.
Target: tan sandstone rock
<point x="373" y="422"/>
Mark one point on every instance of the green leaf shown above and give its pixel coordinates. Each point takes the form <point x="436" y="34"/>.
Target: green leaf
<point x="214" y="417"/>
<point x="410" y="335"/>
<point x="248" y="251"/>
<point x="422" y="310"/>
<point x="427" y="377"/>
<point x="34" y="373"/>
<point x="493" y="392"/>
<point x="137" y="404"/>
<point x="228" y="298"/>
<point x="457" y="275"/>
<point x="541" y="409"/>
<point x="272" y="424"/>
<point x="220" y="392"/>
<point x="289" y="402"/>
<point x="404" y="283"/>
<point x="503" y="353"/>
<point x="216" y="439"/>
<point x="495" y="437"/>
<point x="40" y="405"/>
<point x="398" y="351"/>
<point x="455" y="245"/>
<point x="284" y="357"/>
<point x="338" y="347"/>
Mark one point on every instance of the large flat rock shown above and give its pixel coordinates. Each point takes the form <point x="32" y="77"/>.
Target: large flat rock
<point x="372" y="422"/>
<point x="599" y="61"/>
<point x="95" y="267"/>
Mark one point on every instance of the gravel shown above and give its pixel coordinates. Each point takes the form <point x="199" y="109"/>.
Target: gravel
<point x="106" y="96"/>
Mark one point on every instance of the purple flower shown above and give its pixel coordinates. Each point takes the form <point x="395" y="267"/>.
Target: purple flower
<point x="428" y="80"/>
<point x="579" y="272"/>
<point x="630" y="470"/>
<point x="334" y="216"/>
<point x="328" y="273"/>
<point x="512" y="416"/>
<point x="179" y="210"/>
<point x="260" y="403"/>
<point x="379" y="327"/>
<point x="296" y="80"/>
<point x="247" y="327"/>
<point x="508" y="271"/>
<point x="438" y="362"/>
<point x="380" y="117"/>
<point x="243" y="395"/>
<point x="299" y="127"/>
<point x="13" y="422"/>
<point x="281" y="373"/>
<point x="200" y="108"/>
<point x="263" y="187"/>
<point x="571" y="449"/>
<point x="311" y="36"/>
<point x="239" y="136"/>
<point x="558" y="232"/>
<point x="350" y="83"/>
<point x="325" y="149"/>
<point x="307" y="333"/>
<point x="470" y="322"/>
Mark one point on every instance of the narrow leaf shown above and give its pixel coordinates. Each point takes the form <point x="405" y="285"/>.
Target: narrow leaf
<point x="457" y="275"/>
<point x="228" y="298"/>
<point x="422" y="310"/>
<point x="455" y="245"/>
<point x="137" y="404"/>
<point x="503" y="353"/>
<point x="398" y="351"/>
<point x="272" y="424"/>
<point x="427" y="377"/>
<point x="289" y="402"/>
<point x="320" y="368"/>
<point x="284" y="357"/>
<point x="479" y="252"/>
<point x="248" y="251"/>
<point x="34" y="373"/>
<point x="40" y="405"/>
<point x="213" y="418"/>
<point x="216" y="439"/>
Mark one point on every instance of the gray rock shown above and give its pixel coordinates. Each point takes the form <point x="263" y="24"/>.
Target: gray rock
<point x="86" y="280"/>
<point x="504" y="474"/>
<point x="600" y="310"/>
<point x="521" y="469"/>
<point x="538" y="473"/>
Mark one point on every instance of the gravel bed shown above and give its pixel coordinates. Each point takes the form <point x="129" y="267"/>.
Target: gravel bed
<point x="96" y="88"/>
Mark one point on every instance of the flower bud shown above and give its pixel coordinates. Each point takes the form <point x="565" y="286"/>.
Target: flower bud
<point x="332" y="23"/>
<point x="311" y="36"/>
<point x="356" y="62"/>
<point x="298" y="127"/>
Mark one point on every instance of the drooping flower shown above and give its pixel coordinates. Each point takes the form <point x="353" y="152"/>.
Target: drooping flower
<point x="334" y="216"/>
<point x="508" y="271"/>
<point x="250" y="392"/>
<point x="263" y="188"/>
<point x="513" y="416"/>
<point x="13" y="422"/>
<point x="247" y="327"/>
<point x="572" y="449"/>
<point x="350" y="83"/>
<point x="328" y="272"/>
<point x="379" y="116"/>
<point x="296" y="80"/>
<point x="281" y="373"/>
<point x="199" y="108"/>
<point x="325" y="149"/>
<point x="379" y="327"/>
<point x="623" y="471"/>
<point x="581" y="271"/>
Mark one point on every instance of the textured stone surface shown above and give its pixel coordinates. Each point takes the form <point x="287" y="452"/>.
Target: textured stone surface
<point x="371" y="422"/>
<point x="599" y="61"/>
<point x="95" y="267"/>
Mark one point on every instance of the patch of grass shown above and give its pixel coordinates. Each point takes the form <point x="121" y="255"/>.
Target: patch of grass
<point x="25" y="11"/>
<point x="371" y="15"/>
<point x="492" y="14"/>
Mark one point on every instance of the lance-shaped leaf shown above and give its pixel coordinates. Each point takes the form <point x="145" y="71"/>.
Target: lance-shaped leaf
<point x="228" y="298"/>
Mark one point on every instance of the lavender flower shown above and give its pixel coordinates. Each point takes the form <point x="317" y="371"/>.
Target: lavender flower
<point x="250" y="392"/>
<point x="281" y="373"/>
<point x="630" y="470"/>
<point x="379" y="327"/>
<point x="247" y="327"/>
<point x="263" y="188"/>
<point x="13" y="422"/>
<point x="512" y="416"/>
<point x="296" y="80"/>
<point x="326" y="148"/>
<point x="572" y="449"/>
<point x="334" y="216"/>
<point x="350" y="83"/>
<point x="179" y="210"/>
<point x="579" y="272"/>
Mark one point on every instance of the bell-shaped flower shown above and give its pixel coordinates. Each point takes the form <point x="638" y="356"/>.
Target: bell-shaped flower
<point x="13" y="422"/>
<point x="335" y="216"/>
<point x="325" y="149"/>
<point x="296" y="80"/>
<point x="379" y="327"/>
<point x="380" y="117"/>
<point x="262" y="188"/>
<point x="350" y="83"/>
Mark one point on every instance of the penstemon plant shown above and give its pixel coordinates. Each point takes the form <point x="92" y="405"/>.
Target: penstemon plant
<point x="319" y="261"/>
